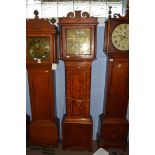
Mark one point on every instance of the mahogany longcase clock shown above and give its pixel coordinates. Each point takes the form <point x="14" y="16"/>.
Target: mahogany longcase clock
<point x="113" y="125"/>
<point x="41" y="53"/>
<point x="78" y="48"/>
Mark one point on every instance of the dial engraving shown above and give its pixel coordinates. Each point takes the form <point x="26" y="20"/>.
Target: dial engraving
<point x="78" y="41"/>
<point x="120" y="37"/>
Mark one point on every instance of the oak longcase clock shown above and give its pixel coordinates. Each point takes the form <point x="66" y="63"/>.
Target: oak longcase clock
<point x="113" y="125"/>
<point x="41" y="53"/>
<point x="78" y="48"/>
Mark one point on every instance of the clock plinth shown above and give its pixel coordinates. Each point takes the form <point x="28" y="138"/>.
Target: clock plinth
<point x="77" y="133"/>
<point x="44" y="133"/>
<point x="113" y="132"/>
<point x="41" y="52"/>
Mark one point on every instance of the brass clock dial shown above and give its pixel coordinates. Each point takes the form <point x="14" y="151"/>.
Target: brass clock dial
<point x="78" y="41"/>
<point x="39" y="47"/>
<point x="120" y="37"/>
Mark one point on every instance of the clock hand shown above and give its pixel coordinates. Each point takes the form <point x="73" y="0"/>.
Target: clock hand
<point x="120" y="40"/>
<point x="122" y="37"/>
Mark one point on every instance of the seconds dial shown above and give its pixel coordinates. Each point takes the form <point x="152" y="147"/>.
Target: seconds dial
<point x="120" y="37"/>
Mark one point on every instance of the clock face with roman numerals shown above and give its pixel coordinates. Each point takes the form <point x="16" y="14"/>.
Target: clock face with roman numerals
<point x="120" y="37"/>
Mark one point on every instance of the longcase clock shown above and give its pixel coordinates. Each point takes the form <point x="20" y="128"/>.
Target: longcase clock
<point x="41" y="53"/>
<point x="78" y="50"/>
<point x="113" y="125"/>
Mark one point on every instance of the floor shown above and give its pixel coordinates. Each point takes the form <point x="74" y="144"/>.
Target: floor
<point x="37" y="150"/>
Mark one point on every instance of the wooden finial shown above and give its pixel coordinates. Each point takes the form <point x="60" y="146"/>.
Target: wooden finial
<point x="53" y="20"/>
<point x="127" y="9"/>
<point x="127" y="4"/>
<point x="109" y="12"/>
<point x="36" y="13"/>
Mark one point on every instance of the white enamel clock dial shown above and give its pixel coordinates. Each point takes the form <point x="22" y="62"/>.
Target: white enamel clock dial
<point x="120" y="37"/>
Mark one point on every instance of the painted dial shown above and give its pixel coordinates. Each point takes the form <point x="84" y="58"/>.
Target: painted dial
<point x="120" y="37"/>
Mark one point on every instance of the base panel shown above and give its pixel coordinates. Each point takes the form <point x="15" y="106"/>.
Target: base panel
<point x="44" y="133"/>
<point x="77" y="134"/>
<point x="113" y="133"/>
